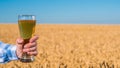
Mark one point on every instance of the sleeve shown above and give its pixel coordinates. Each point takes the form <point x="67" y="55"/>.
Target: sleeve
<point x="7" y="52"/>
<point x="11" y="52"/>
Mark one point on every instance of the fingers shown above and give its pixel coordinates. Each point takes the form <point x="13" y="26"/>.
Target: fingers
<point x="34" y="39"/>
<point x="34" y="44"/>
<point x="30" y="49"/>
<point x="33" y="53"/>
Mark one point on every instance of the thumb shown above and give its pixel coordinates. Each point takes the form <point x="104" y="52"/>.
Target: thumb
<point x="19" y="43"/>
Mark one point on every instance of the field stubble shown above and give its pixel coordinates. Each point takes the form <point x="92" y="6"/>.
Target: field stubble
<point x="69" y="46"/>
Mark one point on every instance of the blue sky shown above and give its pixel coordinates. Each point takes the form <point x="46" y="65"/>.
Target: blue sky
<point x="62" y="11"/>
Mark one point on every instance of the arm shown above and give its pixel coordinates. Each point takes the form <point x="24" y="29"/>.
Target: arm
<point x="7" y="52"/>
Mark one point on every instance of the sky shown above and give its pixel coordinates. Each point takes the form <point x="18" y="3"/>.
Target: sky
<point x="62" y="11"/>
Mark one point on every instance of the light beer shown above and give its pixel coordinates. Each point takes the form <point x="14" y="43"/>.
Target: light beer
<point x="27" y="28"/>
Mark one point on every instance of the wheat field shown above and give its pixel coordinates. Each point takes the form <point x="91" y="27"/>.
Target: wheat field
<point x="69" y="46"/>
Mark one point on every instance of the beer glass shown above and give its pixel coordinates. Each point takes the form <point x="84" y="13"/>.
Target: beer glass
<point x="26" y="25"/>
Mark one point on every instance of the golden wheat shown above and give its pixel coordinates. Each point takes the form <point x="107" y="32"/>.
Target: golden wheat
<point x="69" y="46"/>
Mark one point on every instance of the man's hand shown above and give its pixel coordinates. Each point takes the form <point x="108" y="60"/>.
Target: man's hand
<point x="30" y="48"/>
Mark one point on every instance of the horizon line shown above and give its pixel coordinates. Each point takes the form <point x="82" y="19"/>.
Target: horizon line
<point x="71" y="23"/>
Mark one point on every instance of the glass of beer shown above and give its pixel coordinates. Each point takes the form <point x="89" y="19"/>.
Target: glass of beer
<point x="26" y="25"/>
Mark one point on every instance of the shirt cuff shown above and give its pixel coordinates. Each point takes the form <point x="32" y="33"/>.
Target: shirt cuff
<point x="12" y="53"/>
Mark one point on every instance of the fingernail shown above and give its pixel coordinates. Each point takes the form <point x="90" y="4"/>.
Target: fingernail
<point x="25" y="46"/>
<point x="24" y="50"/>
<point x="27" y="52"/>
<point x="20" y="41"/>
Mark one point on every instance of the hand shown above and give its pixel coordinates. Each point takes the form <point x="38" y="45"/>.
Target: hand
<point x="30" y="48"/>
